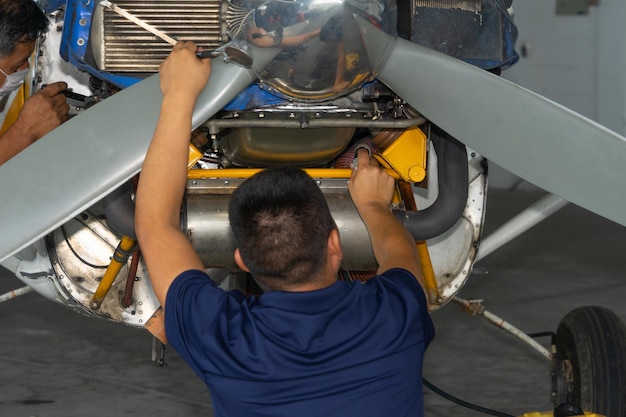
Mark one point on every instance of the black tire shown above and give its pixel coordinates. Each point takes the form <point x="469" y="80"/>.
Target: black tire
<point x="590" y="364"/>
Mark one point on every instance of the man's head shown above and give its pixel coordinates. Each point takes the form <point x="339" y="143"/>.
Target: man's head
<point x="21" y="23"/>
<point x="281" y="224"/>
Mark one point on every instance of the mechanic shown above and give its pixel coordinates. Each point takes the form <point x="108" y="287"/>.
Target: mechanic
<point x="310" y="345"/>
<point x="22" y="22"/>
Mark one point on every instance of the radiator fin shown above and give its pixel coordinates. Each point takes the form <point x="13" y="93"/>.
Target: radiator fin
<point x="130" y="48"/>
<point x="470" y="5"/>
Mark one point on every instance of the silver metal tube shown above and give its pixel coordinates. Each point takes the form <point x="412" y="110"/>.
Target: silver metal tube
<point x="206" y="223"/>
<point x="476" y="308"/>
<point x="316" y="123"/>
<point x="526" y="219"/>
<point x="15" y="293"/>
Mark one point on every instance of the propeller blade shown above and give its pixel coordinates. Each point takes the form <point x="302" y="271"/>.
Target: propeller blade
<point x="83" y="160"/>
<point x="535" y="138"/>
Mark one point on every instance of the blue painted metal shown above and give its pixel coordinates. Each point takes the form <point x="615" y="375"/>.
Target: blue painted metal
<point x="75" y="42"/>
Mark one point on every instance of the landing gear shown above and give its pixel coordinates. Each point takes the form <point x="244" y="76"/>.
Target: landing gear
<point x="589" y="367"/>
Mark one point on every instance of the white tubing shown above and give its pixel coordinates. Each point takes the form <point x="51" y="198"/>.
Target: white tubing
<point x="537" y="212"/>
<point x="477" y="308"/>
<point x="15" y="293"/>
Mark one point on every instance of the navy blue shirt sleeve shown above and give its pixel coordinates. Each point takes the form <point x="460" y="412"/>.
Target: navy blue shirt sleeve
<point x="402" y="277"/>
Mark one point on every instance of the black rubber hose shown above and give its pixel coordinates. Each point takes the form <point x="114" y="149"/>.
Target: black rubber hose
<point x="463" y="403"/>
<point x="119" y="210"/>
<point x="453" y="183"/>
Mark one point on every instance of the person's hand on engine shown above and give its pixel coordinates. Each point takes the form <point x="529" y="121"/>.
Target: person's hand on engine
<point x="43" y="111"/>
<point x="369" y="185"/>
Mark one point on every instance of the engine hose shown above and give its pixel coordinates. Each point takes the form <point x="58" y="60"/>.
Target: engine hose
<point x="453" y="184"/>
<point x="119" y="210"/>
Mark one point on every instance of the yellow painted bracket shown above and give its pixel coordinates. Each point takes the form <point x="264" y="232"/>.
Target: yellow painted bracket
<point x="194" y="156"/>
<point x="406" y="155"/>
<point x="120" y="257"/>
<point x="14" y="109"/>
<point x="430" y="280"/>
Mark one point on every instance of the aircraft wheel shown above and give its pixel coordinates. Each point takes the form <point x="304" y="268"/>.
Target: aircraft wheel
<point x="589" y="368"/>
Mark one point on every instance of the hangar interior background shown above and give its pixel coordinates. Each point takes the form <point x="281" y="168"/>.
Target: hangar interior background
<point x="56" y="363"/>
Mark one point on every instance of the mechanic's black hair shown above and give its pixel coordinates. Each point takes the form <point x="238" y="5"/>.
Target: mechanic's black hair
<point x="20" y="21"/>
<point x="281" y="224"/>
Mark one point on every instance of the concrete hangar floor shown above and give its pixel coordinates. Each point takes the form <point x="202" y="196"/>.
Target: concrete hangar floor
<point x="56" y="363"/>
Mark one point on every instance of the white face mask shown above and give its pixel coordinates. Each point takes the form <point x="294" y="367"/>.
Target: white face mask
<point x="12" y="82"/>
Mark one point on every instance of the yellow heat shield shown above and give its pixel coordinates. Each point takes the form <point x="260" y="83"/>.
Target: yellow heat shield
<point x="406" y="155"/>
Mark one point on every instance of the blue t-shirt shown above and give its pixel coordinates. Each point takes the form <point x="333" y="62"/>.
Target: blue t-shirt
<point x="350" y="349"/>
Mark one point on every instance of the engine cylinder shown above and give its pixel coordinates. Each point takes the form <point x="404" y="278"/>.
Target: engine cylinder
<point x="206" y="223"/>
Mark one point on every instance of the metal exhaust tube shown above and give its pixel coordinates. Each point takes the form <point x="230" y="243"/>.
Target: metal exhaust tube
<point x="205" y="221"/>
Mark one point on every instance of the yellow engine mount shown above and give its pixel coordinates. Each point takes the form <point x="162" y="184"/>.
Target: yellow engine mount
<point x="406" y="155"/>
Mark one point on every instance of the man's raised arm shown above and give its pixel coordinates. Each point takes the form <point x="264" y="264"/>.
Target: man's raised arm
<point x="165" y="247"/>
<point x="371" y="190"/>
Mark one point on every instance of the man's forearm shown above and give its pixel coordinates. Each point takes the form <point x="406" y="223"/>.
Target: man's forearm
<point x="12" y="142"/>
<point x="164" y="172"/>
<point x="388" y="236"/>
<point x="371" y="190"/>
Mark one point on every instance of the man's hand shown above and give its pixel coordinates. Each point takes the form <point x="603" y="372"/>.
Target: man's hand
<point x="182" y="73"/>
<point x="43" y="111"/>
<point x="369" y="185"/>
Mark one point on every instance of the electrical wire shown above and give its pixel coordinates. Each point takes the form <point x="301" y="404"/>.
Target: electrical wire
<point x="475" y="407"/>
<point x="463" y="403"/>
<point x="552" y="335"/>
<point x="69" y="245"/>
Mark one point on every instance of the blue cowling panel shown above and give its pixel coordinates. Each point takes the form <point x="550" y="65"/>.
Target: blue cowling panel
<point x="75" y="45"/>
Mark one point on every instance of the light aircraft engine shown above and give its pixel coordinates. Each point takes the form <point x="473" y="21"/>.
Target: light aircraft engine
<point x="317" y="98"/>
